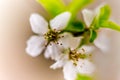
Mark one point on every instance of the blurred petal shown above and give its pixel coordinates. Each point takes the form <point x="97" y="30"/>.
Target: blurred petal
<point x="103" y="40"/>
<point x="85" y="67"/>
<point x="60" y="21"/>
<point x="69" y="41"/>
<point x="38" y="24"/>
<point x="53" y="51"/>
<point x="35" y="45"/>
<point x="69" y="71"/>
<point x="61" y="61"/>
<point x="88" y="17"/>
<point x="58" y="64"/>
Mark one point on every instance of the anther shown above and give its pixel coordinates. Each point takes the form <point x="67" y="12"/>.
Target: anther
<point x="83" y="49"/>
<point x="45" y="45"/>
<point x="57" y="43"/>
<point x="54" y="29"/>
<point x="62" y="36"/>
<point x="61" y="44"/>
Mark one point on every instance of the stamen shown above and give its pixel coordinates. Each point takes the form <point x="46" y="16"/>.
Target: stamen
<point x="54" y="29"/>
<point x="52" y="36"/>
<point x="45" y="45"/>
<point x="61" y="44"/>
<point x="62" y="36"/>
<point x="74" y="55"/>
<point x="57" y="42"/>
<point x="83" y="49"/>
<point x="74" y="63"/>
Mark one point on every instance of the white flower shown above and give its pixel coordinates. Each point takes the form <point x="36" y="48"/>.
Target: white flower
<point x="102" y="40"/>
<point x="49" y="35"/>
<point x="83" y="67"/>
<point x="70" y="70"/>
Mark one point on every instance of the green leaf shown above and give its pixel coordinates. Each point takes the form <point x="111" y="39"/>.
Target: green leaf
<point x="95" y="24"/>
<point x="88" y="37"/>
<point x="76" y="5"/>
<point x="75" y="27"/>
<point x="54" y="7"/>
<point x="104" y="14"/>
<point x="103" y="19"/>
<point x="83" y="77"/>
<point x="111" y="25"/>
<point x="93" y="35"/>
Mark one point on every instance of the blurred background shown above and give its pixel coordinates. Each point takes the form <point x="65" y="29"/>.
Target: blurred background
<point x="15" y="29"/>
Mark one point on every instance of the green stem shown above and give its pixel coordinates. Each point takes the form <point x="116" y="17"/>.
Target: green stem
<point x="77" y="5"/>
<point x="54" y="7"/>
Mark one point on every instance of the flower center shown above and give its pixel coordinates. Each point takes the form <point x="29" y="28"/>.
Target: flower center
<point x="74" y="55"/>
<point x="52" y="36"/>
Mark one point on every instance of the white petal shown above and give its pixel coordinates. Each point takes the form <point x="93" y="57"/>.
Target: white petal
<point x="70" y="71"/>
<point x="53" y="51"/>
<point x="85" y="67"/>
<point x="88" y="17"/>
<point x="60" y="21"/>
<point x="69" y="41"/>
<point x="58" y="64"/>
<point x="35" y="45"/>
<point x="38" y="24"/>
<point x="103" y="40"/>
<point x="61" y="61"/>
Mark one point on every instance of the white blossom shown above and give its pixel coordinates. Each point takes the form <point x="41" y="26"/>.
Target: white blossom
<point x="70" y="70"/>
<point x="103" y="40"/>
<point x="39" y="43"/>
<point x="47" y="38"/>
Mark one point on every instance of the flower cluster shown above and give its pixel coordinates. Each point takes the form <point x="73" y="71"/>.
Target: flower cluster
<point x="69" y="42"/>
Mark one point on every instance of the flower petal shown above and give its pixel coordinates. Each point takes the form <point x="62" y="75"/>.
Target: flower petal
<point x="68" y="41"/>
<point x="38" y="24"/>
<point x="103" y="40"/>
<point x="85" y="67"/>
<point x="58" y="64"/>
<point x="35" y="45"/>
<point x="88" y="17"/>
<point x="69" y="71"/>
<point x="53" y="51"/>
<point x="61" y="61"/>
<point x="60" y="21"/>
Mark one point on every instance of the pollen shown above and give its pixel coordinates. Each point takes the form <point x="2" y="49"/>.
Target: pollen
<point x="53" y="36"/>
<point x="74" y="55"/>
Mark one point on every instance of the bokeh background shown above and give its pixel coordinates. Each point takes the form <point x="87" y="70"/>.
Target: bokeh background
<point x="15" y="29"/>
